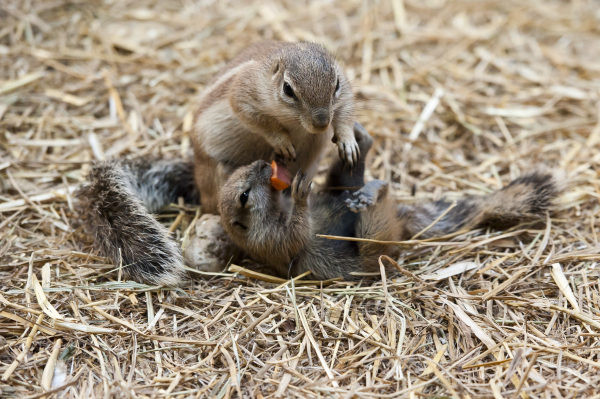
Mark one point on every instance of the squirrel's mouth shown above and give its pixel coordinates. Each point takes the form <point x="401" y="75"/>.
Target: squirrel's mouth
<point x="240" y="225"/>
<point x="312" y="129"/>
<point x="318" y="130"/>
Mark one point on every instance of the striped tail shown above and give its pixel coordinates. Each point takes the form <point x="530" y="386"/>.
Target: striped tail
<point x="116" y="204"/>
<point x="524" y="199"/>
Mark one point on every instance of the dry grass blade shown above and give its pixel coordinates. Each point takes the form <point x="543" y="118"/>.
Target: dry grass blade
<point x="48" y="373"/>
<point x="561" y="281"/>
<point x="15" y="363"/>
<point x="9" y="86"/>
<point x="450" y="271"/>
<point x="477" y="330"/>
<point x="43" y="300"/>
<point x="316" y="347"/>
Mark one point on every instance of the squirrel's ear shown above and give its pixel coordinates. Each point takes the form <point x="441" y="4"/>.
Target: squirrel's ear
<point x="276" y="67"/>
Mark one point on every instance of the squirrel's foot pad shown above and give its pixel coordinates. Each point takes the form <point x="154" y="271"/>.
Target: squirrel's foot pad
<point x="367" y="196"/>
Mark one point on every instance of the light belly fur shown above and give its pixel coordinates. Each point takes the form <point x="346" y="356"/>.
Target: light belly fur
<point x="226" y="139"/>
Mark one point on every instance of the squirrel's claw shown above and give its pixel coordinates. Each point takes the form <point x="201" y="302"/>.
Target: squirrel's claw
<point x="285" y="149"/>
<point x="349" y="152"/>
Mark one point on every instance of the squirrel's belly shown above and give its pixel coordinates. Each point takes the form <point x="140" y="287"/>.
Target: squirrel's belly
<point x="224" y="138"/>
<point x="310" y="148"/>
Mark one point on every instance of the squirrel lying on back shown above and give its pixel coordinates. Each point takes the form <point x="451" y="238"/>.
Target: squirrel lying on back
<point x="284" y="100"/>
<point x="281" y="232"/>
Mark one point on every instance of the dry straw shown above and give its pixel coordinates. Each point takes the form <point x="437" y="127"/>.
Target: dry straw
<point x="461" y="96"/>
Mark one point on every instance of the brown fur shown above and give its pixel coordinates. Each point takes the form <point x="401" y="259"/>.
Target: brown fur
<point x="280" y="231"/>
<point x="115" y="206"/>
<point x="245" y="114"/>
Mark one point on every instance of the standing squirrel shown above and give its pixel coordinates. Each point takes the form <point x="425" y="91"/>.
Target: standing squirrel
<point x="281" y="232"/>
<point x="283" y="100"/>
<point x="274" y="99"/>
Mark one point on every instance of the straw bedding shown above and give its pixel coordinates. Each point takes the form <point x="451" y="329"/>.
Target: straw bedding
<point x="460" y="96"/>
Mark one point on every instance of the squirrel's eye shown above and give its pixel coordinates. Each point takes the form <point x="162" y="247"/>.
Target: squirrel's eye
<point x="288" y="91"/>
<point x="337" y="85"/>
<point x="244" y="197"/>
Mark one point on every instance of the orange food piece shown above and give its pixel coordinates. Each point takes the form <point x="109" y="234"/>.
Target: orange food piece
<point x="280" y="177"/>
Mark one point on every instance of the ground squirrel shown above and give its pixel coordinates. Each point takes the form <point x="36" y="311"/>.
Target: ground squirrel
<point x="280" y="231"/>
<point x="284" y="100"/>
<point x="274" y="99"/>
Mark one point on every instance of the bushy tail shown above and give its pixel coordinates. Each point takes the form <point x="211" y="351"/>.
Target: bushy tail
<point x="524" y="199"/>
<point x="115" y="205"/>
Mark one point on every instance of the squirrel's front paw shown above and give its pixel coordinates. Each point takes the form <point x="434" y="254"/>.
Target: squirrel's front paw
<point x="285" y="149"/>
<point x="301" y="187"/>
<point x="348" y="149"/>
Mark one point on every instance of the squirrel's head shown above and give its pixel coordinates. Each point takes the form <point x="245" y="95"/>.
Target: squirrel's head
<point x="310" y="85"/>
<point x="246" y="195"/>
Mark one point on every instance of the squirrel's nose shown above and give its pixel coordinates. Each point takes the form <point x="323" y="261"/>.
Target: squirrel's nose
<point x="320" y="118"/>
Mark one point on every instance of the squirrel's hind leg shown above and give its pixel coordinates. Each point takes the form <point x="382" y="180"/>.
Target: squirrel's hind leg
<point x="341" y="177"/>
<point x="376" y="221"/>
